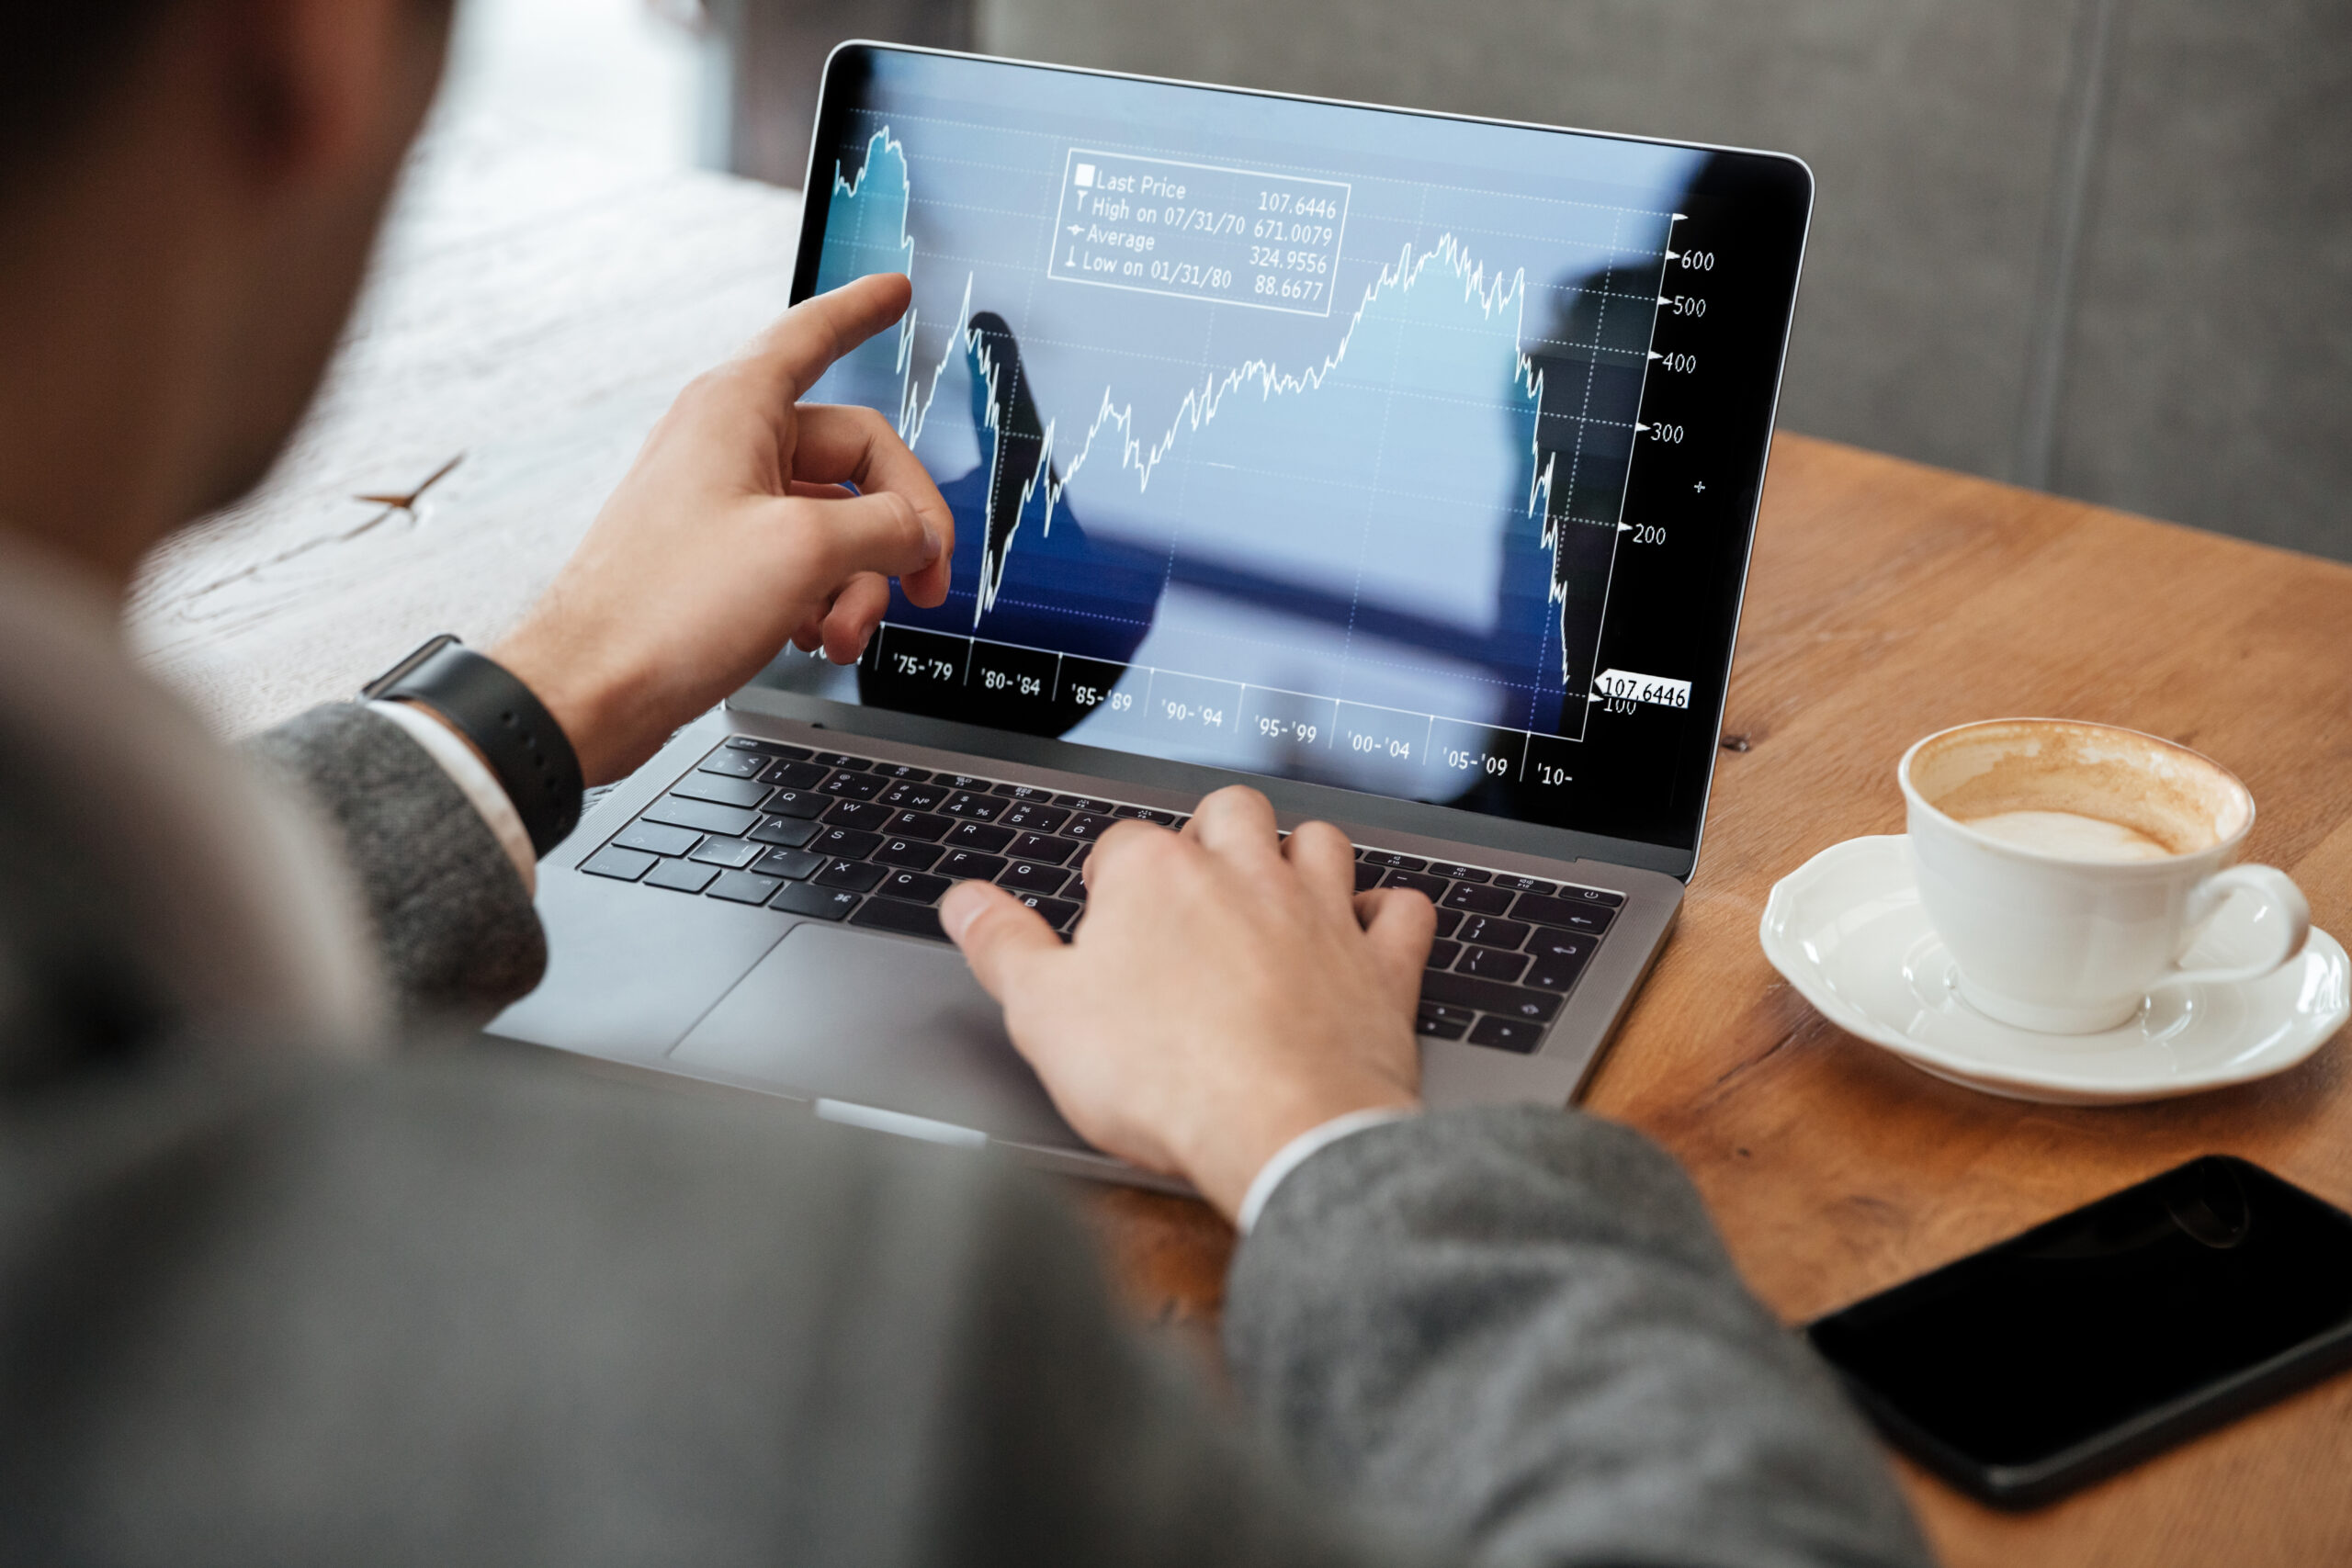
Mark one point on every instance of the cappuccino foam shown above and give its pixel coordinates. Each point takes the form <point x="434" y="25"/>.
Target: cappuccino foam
<point x="2068" y="835"/>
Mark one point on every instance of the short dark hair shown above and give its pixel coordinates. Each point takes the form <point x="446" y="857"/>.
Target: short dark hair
<point x="56" y="57"/>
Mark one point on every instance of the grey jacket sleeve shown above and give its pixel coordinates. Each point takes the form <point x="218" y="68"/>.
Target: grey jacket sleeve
<point x="1517" y="1329"/>
<point x="456" y="931"/>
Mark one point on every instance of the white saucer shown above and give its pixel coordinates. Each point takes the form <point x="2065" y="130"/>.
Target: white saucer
<point x="1848" y="929"/>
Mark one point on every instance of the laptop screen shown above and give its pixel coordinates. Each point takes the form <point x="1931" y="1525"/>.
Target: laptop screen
<point x="1410" y="455"/>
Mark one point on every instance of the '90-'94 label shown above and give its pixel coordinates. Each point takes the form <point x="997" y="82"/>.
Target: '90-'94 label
<point x="1622" y="685"/>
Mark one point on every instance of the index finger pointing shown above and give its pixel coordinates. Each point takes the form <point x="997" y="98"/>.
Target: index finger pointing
<point x="805" y="341"/>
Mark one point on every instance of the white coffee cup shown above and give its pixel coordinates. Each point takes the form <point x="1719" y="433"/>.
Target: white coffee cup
<point x="2068" y="867"/>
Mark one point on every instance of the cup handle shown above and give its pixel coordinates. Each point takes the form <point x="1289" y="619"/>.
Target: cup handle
<point x="2285" y="915"/>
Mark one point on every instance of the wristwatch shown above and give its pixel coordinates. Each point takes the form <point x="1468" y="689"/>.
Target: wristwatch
<point x="511" y="728"/>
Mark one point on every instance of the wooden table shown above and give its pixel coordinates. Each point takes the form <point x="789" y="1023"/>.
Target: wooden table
<point x="536" y="310"/>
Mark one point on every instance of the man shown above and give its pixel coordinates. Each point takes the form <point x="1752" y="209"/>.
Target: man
<point x="274" y="1290"/>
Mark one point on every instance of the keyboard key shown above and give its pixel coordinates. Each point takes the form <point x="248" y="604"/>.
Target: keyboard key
<point x="734" y="764"/>
<point x="1508" y="1034"/>
<point x="903" y="771"/>
<point x="845" y="786"/>
<point x="1447" y="919"/>
<point x="1453" y="873"/>
<point x="656" y="839"/>
<point x="797" y="803"/>
<point x="1367" y="876"/>
<point x="807" y="898"/>
<point x="792" y="865"/>
<point x="869" y="815"/>
<point x="904" y="919"/>
<point x="766" y="748"/>
<point x="621" y="865"/>
<point x="972" y="807"/>
<point x="1432" y="1028"/>
<point x="853" y="874"/>
<point x="1085" y="803"/>
<point x="1492" y="964"/>
<point x="1478" y="899"/>
<point x="701" y="816"/>
<point x="1414" y="879"/>
<point x="1034" y="816"/>
<point x="919" y="825"/>
<point x="745" y="887"/>
<point x="1443" y="954"/>
<point x="1602" y="897"/>
<point x="680" y="876"/>
<point x="1577" y="917"/>
<point x="846" y="843"/>
<point x="985" y="837"/>
<point x="842" y="760"/>
<point x="1058" y="912"/>
<point x="794" y="775"/>
<point x="1387" y="860"/>
<point x="1085" y="827"/>
<point x="1038" y="793"/>
<point x="1151" y="814"/>
<point x="1028" y="876"/>
<point x="913" y="796"/>
<point x="1551" y="942"/>
<point x="911" y="854"/>
<point x="790" y="832"/>
<point x="1448" y="1012"/>
<point x="969" y="865"/>
<point x="1489" y="931"/>
<point x="915" y="886"/>
<point x="733" y="853"/>
<point x="1554" y="973"/>
<point x="721" y="791"/>
<point x="1042" y="847"/>
<point x="964" y="782"/>
<point x="1488" y="996"/>
<point x="1526" y="885"/>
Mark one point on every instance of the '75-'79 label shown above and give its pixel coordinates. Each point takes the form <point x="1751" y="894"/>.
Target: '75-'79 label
<point x="1627" y="687"/>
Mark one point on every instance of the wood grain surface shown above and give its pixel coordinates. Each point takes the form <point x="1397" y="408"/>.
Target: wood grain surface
<point x="536" y="312"/>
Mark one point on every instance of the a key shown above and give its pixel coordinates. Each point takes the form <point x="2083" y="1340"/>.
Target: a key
<point x="1034" y="816"/>
<point x="1443" y="954"/>
<point x="1414" y="879"/>
<point x="766" y="748"/>
<point x="1575" y="913"/>
<point x="1028" y="876"/>
<point x="913" y="796"/>
<point x="963" y="781"/>
<point x="855" y="875"/>
<point x="701" y="816"/>
<point x="1388" y="860"/>
<point x="869" y="815"/>
<point x="971" y="865"/>
<point x="794" y="775"/>
<point x="734" y="764"/>
<point x="985" y="837"/>
<point x="789" y="832"/>
<point x="1151" y="814"/>
<point x="1367" y="876"/>
<point x="1493" y="964"/>
<point x="791" y="865"/>
<point x="1085" y="826"/>
<point x="732" y="853"/>
<point x="1489" y="931"/>
<point x="1526" y="885"/>
<point x="621" y="865"/>
<point x="680" y="876"/>
<point x="919" y="825"/>
<point x="656" y="839"/>
<point x="972" y="807"/>
<point x="914" y="885"/>
<point x="1488" y="995"/>
<point x="797" y="803"/>
<point x="910" y="855"/>
<point x="720" y="791"/>
<point x="844" y="760"/>
<point x="1453" y="873"/>
<point x="1477" y="898"/>
<point x="1085" y="803"/>
<point x="846" y="843"/>
<point x="1433" y="1028"/>
<point x="1508" y="1034"/>
<point x="1042" y="847"/>
<point x="904" y="772"/>
<point x="1058" y="912"/>
<point x="852" y="786"/>
<point x="807" y="898"/>
<point x="745" y="887"/>
<point x="1023" y="791"/>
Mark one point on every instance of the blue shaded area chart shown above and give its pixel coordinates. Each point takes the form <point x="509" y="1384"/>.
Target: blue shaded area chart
<point x="1259" y="461"/>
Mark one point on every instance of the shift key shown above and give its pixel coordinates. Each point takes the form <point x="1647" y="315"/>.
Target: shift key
<point x="1488" y="995"/>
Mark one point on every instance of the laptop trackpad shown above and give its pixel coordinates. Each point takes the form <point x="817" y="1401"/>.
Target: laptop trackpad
<point x="897" y="1025"/>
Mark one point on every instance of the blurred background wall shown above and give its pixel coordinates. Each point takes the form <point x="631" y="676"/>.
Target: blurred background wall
<point x="2102" y="247"/>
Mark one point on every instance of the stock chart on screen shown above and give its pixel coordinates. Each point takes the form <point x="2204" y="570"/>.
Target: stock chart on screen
<point x="1295" y="438"/>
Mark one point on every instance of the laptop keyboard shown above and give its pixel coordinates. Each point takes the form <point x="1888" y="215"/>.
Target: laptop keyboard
<point x="836" y="837"/>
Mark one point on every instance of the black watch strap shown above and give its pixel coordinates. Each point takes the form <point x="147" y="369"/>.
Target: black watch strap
<point x="514" y="731"/>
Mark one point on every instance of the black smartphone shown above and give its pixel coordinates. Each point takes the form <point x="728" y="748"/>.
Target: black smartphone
<point x="2064" y="1354"/>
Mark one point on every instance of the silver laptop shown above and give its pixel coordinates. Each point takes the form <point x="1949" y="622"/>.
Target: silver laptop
<point x="1403" y="466"/>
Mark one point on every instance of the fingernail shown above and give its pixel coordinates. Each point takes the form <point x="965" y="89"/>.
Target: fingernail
<point x="935" y="544"/>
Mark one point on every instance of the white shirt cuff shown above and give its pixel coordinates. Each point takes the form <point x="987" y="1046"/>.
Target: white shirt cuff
<point x="474" y="781"/>
<point x="1301" y="1149"/>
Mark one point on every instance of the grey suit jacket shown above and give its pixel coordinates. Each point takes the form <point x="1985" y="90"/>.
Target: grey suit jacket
<point x="462" y="1304"/>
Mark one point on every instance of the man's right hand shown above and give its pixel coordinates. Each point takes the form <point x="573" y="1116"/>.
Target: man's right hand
<point x="1228" y="990"/>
